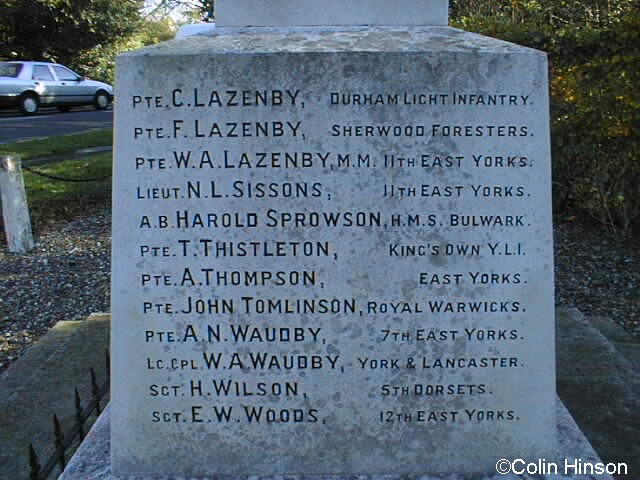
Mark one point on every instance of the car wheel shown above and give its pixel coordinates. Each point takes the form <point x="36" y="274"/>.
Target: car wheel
<point x="101" y="100"/>
<point x="29" y="103"/>
<point x="64" y="108"/>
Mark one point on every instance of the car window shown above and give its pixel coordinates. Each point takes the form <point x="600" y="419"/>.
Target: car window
<point x="10" y="69"/>
<point x="41" y="72"/>
<point x="64" y="73"/>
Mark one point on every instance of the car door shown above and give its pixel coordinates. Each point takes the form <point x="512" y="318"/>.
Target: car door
<point x="46" y="84"/>
<point x="71" y="85"/>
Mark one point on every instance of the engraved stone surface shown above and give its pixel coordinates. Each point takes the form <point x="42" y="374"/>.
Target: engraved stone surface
<point x="331" y="12"/>
<point x="572" y="457"/>
<point x="332" y="254"/>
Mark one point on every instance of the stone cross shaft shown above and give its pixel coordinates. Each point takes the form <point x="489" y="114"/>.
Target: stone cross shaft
<point x="260" y="13"/>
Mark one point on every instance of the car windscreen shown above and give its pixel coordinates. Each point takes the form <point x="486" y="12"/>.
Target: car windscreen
<point x="10" y="69"/>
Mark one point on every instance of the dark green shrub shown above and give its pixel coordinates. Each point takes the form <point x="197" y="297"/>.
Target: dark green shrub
<point x="596" y="126"/>
<point x="595" y="111"/>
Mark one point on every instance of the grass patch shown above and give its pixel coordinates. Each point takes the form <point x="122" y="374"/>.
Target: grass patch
<point x="57" y="200"/>
<point x="59" y="145"/>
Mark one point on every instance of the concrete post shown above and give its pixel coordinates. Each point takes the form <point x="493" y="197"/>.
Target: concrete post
<point x="15" y="211"/>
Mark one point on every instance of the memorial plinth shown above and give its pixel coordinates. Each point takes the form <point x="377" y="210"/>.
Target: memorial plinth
<point x="92" y="461"/>
<point x="332" y="254"/>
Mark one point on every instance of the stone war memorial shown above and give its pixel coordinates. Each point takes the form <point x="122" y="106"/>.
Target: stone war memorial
<point x="332" y="249"/>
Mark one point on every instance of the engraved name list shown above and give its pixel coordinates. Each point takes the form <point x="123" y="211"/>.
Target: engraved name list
<point x="310" y="259"/>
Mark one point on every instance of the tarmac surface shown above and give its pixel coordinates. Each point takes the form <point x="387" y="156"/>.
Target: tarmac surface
<point x="50" y="123"/>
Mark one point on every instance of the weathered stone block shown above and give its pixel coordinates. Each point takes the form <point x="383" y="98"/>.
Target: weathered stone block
<point x="332" y="254"/>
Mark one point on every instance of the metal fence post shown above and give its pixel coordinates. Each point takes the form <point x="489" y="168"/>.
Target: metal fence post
<point x="15" y="211"/>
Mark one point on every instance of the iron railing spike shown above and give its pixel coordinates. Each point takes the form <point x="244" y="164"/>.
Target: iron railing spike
<point x="79" y="419"/>
<point x="95" y="390"/>
<point x="63" y="440"/>
<point x="59" y="442"/>
<point x="34" y="465"/>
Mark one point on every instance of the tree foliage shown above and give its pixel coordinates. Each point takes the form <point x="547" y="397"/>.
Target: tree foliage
<point x="552" y="13"/>
<point x="594" y="53"/>
<point x="199" y="10"/>
<point x="99" y="62"/>
<point x="83" y="34"/>
<point x="57" y="30"/>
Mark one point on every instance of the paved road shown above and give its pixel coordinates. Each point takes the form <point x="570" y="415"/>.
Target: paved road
<point x="50" y="122"/>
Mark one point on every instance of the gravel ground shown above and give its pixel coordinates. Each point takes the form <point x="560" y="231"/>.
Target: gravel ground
<point x="598" y="274"/>
<point x="66" y="277"/>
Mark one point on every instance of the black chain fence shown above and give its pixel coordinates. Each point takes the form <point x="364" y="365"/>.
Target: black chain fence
<point x="64" y="179"/>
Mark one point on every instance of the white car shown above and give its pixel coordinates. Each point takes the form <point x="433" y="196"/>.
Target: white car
<point x="30" y="85"/>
